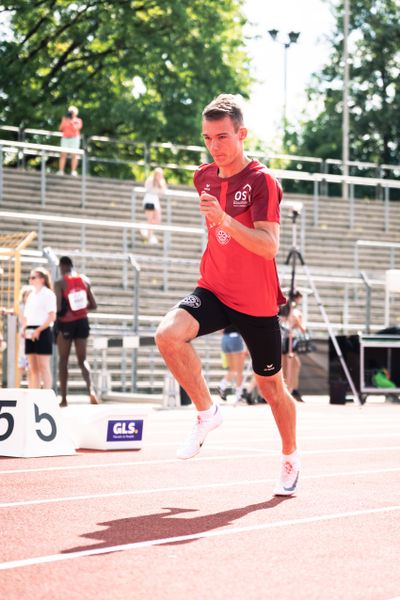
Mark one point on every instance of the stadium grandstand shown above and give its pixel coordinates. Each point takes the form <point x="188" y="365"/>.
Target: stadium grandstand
<point x="348" y="245"/>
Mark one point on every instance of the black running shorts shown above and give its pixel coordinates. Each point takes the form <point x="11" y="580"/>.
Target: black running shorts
<point x="262" y="335"/>
<point x="72" y="330"/>
<point x="43" y="345"/>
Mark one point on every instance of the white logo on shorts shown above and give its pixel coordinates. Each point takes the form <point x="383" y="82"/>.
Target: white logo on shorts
<point x="270" y="367"/>
<point x="192" y="301"/>
<point x="223" y="237"/>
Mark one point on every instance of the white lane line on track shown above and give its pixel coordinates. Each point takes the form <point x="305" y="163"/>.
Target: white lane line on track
<point x="162" y="461"/>
<point x="270" y="436"/>
<point x="224" y="445"/>
<point x="51" y="558"/>
<point x="275" y="440"/>
<point x="238" y="420"/>
<point x="261" y="424"/>
<point x="182" y="488"/>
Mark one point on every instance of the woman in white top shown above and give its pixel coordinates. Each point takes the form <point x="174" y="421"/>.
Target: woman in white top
<point x="39" y="315"/>
<point x="155" y="186"/>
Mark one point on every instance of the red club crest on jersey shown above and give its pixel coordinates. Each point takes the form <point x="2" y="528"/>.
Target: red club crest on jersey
<point x="222" y="237"/>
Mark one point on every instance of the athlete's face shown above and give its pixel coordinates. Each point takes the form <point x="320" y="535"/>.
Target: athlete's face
<point x="224" y="142"/>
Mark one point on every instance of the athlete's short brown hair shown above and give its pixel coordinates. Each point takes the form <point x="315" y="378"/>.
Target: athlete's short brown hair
<point x="224" y="105"/>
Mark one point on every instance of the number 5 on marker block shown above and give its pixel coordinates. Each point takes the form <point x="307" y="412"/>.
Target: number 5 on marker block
<point x="31" y="424"/>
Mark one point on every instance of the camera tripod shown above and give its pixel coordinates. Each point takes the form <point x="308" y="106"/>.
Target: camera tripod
<point x="294" y="256"/>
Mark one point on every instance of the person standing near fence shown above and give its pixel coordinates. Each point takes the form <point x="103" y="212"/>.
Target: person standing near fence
<point x="155" y="186"/>
<point x="39" y="315"/>
<point x="74" y="298"/>
<point x="232" y="346"/>
<point x="238" y="283"/>
<point x="22" y="358"/>
<point x="292" y="324"/>
<point x="70" y="127"/>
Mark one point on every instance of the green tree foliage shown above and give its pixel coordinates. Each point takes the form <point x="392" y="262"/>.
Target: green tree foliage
<point x="137" y="69"/>
<point x="374" y="94"/>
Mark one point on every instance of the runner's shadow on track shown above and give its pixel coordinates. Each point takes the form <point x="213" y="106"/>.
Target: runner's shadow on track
<point x="165" y="525"/>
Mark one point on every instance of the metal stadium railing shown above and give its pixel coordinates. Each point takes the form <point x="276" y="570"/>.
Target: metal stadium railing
<point x="150" y="154"/>
<point x="319" y="181"/>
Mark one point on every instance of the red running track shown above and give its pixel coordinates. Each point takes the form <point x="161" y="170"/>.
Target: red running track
<point x="141" y="524"/>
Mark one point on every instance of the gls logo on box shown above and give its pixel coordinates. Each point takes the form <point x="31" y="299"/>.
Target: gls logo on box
<point x="124" y="431"/>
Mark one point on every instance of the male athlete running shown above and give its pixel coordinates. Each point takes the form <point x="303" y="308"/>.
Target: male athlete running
<point x="238" y="284"/>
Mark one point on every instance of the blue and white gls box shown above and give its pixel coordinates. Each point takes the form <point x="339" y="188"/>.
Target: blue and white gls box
<point x="125" y="430"/>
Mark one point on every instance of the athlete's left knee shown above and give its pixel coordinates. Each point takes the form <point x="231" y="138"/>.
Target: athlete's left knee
<point x="272" y="386"/>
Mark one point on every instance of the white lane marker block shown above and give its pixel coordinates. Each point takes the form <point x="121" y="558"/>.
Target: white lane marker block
<point x="114" y="427"/>
<point x="31" y="424"/>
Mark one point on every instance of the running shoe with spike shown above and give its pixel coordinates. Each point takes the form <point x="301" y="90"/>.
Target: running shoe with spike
<point x="289" y="479"/>
<point x="194" y="442"/>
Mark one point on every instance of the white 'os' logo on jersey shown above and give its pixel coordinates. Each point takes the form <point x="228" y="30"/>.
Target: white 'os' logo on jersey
<point x="222" y="237"/>
<point x="243" y="196"/>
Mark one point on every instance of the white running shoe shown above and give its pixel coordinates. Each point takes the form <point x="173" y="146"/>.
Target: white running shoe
<point x="287" y="485"/>
<point x="194" y="442"/>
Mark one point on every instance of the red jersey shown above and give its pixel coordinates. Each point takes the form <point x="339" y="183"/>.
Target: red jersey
<point x="239" y="278"/>
<point x="75" y="294"/>
<point x="71" y="127"/>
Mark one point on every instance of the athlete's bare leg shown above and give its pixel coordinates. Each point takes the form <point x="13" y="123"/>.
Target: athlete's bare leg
<point x="235" y="366"/>
<point x="64" y="348"/>
<point x="295" y="372"/>
<point x="291" y="370"/>
<point x="63" y="158"/>
<point x="74" y="162"/>
<point x="173" y="337"/>
<point x="33" y="372"/>
<point x="283" y="407"/>
<point x="43" y="361"/>
<point x="80" y="349"/>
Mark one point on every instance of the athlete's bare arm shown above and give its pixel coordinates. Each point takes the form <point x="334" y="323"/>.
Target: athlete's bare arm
<point x="92" y="304"/>
<point x="58" y="293"/>
<point x="262" y="240"/>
